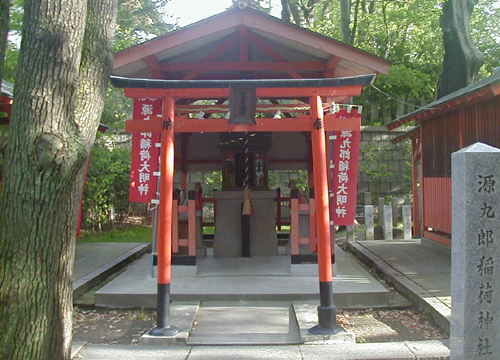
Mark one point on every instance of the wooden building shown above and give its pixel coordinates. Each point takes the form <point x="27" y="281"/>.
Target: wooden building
<point x="449" y="124"/>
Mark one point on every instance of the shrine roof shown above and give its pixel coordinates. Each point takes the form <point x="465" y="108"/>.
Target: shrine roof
<point x="122" y="82"/>
<point x="479" y="91"/>
<point x="244" y="44"/>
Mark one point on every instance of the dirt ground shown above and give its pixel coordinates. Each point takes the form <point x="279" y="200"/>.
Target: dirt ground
<point x="118" y="326"/>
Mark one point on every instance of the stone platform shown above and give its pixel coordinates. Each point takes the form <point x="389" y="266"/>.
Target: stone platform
<point x="240" y="279"/>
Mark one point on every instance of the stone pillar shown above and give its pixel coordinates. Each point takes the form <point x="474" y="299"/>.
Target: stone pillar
<point x="374" y="111"/>
<point x="387" y="222"/>
<point x="350" y="233"/>
<point x="381" y="204"/>
<point x="368" y="198"/>
<point x="475" y="268"/>
<point x="369" y="230"/>
<point x="395" y="212"/>
<point x="407" y="223"/>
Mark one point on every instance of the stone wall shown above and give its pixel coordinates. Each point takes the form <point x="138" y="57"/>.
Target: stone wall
<point x="379" y="155"/>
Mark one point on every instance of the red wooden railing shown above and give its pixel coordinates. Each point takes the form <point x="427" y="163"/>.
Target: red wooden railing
<point x="295" y="238"/>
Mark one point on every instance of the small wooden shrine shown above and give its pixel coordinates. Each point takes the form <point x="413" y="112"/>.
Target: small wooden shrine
<point x="244" y="93"/>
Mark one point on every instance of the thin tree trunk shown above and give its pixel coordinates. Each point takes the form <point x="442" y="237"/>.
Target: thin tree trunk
<point x="345" y="20"/>
<point x="48" y="145"/>
<point x="4" y="32"/>
<point x="462" y="59"/>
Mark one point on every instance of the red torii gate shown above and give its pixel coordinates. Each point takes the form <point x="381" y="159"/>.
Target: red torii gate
<point x="316" y="123"/>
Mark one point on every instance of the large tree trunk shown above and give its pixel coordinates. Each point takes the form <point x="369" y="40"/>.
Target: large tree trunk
<point x="462" y="59"/>
<point x="59" y="95"/>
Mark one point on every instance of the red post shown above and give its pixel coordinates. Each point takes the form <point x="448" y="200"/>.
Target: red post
<point x="326" y="310"/>
<point x="164" y="246"/>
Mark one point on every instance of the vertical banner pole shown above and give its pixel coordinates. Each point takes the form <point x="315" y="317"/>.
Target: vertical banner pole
<point x="326" y="310"/>
<point x="164" y="246"/>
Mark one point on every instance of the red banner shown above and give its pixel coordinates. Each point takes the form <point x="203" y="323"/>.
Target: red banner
<point x="345" y="176"/>
<point x="145" y="154"/>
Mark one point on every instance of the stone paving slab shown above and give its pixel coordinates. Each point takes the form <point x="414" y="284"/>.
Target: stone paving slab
<point x="415" y="350"/>
<point x="353" y="287"/>
<point x="182" y="315"/>
<point x="430" y="291"/>
<point x="245" y="323"/>
<point x="245" y="353"/>
<point x="424" y="350"/>
<point x="96" y="261"/>
<point x="131" y="352"/>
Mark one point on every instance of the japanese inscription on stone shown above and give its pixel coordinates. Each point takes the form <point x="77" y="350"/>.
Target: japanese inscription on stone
<point x="475" y="328"/>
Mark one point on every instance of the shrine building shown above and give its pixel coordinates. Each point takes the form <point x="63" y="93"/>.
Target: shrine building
<point x="245" y="93"/>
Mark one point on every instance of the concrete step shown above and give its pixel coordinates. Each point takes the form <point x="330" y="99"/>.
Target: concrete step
<point x="245" y="323"/>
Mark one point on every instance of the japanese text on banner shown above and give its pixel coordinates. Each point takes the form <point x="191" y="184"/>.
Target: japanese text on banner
<point x="344" y="177"/>
<point x="144" y="153"/>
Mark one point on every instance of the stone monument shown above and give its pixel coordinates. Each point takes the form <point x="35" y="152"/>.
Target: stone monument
<point x="475" y="269"/>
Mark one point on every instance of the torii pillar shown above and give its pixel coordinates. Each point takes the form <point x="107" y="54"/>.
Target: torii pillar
<point x="164" y="242"/>
<point x="326" y="311"/>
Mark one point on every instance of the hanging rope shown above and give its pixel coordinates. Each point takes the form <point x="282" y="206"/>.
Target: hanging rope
<point x="246" y="183"/>
<point x="247" y="205"/>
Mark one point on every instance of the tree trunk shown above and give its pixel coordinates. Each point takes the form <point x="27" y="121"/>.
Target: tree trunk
<point x="59" y="97"/>
<point x="462" y="59"/>
<point x="345" y="20"/>
<point x="4" y="32"/>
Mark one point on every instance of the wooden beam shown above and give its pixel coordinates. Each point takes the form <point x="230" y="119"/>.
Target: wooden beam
<point x="269" y="51"/>
<point x="243" y="32"/>
<point x="216" y="93"/>
<point x="152" y="62"/>
<point x="245" y="66"/>
<point x="225" y="108"/>
<point x="221" y="49"/>
<point x="185" y="125"/>
<point x="331" y="64"/>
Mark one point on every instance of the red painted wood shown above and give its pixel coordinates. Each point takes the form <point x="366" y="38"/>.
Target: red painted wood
<point x="243" y="32"/>
<point x="313" y="239"/>
<point x="235" y="17"/>
<point x="269" y="51"/>
<point x="164" y="244"/>
<point x="318" y="142"/>
<point x="437" y="198"/>
<point x="244" y="66"/>
<point x="175" y="227"/>
<point x="221" y="49"/>
<point x="276" y="93"/>
<point x="440" y="238"/>
<point x="184" y="125"/>
<point x="191" y="228"/>
<point x="294" y="227"/>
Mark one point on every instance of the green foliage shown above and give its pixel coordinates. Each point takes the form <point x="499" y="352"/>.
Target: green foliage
<point x="375" y="165"/>
<point x="131" y="234"/>
<point x="212" y="179"/>
<point x="107" y="183"/>
<point x="485" y="31"/>
<point x="139" y="21"/>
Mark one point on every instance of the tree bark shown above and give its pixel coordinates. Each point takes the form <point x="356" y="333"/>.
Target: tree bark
<point x="462" y="59"/>
<point x="4" y="32"/>
<point x="345" y="20"/>
<point x="65" y="60"/>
